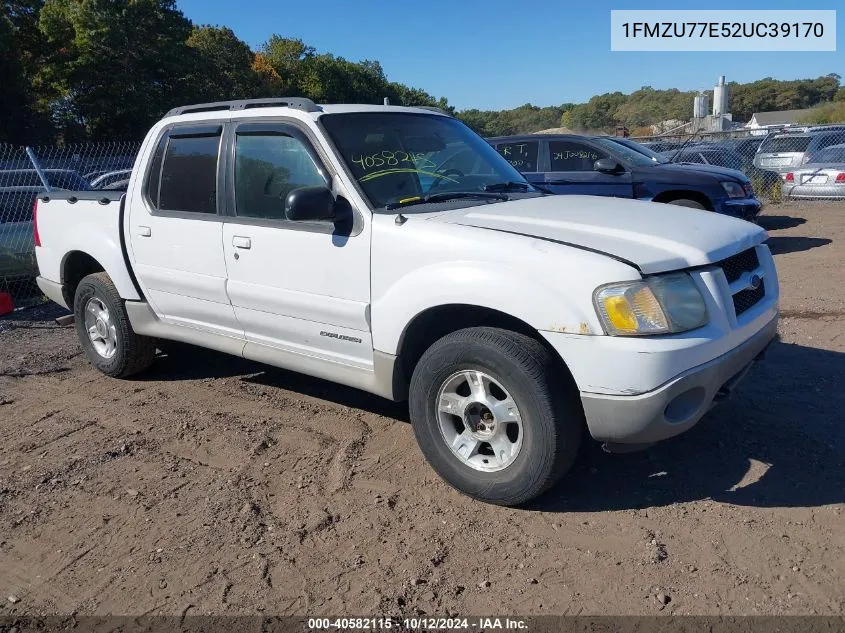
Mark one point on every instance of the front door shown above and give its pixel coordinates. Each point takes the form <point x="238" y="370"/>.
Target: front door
<point x="571" y="171"/>
<point x="296" y="287"/>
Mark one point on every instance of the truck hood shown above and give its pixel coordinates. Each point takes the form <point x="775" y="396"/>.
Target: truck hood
<point x="650" y="236"/>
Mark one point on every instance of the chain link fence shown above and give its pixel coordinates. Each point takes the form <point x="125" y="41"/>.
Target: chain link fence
<point x="70" y="167"/>
<point x="787" y="162"/>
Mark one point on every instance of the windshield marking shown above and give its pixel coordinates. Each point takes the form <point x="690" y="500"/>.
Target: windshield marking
<point x="387" y="172"/>
<point x="391" y="159"/>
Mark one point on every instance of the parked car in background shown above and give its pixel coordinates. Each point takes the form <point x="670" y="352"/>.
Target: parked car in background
<point x="662" y="146"/>
<point x="707" y="154"/>
<point x="18" y="189"/>
<point x="785" y="152"/>
<point x="823" y="178"/>
<point x="602" y="166"/>
<point x="745" y="147"/>
<point x="722" y="155"/>
<point x="112" y="180"/>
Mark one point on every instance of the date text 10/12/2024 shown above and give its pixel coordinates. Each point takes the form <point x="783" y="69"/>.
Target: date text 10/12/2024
<point x="417" y="624"/>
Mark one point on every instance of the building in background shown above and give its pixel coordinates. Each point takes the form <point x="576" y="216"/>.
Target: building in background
<point x="761" y="122"/>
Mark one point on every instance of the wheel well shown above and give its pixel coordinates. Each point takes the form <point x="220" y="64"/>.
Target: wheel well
<point x="675" y="194"/>
<point x="435" y="323"/>
<point x="77" y="266"/>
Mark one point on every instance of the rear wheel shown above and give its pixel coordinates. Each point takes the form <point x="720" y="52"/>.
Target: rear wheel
<point x="494" y="415"/>
<point x="685" y="202"/>
<point x="104" y="330"/>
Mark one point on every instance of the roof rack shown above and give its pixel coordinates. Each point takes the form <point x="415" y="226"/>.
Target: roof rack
<point x="298" y="103"/>
<point x="432" y="109"/>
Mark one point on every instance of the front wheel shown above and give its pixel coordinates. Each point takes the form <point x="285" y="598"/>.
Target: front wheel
<point x="494" y="414"/>
<point x="104" y="329"/>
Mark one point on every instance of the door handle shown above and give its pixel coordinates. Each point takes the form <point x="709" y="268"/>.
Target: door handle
<point x="241" y="242"/>
<point x="144" y="231"/>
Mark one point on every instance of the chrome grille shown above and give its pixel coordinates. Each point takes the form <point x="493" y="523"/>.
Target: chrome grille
<point x="744" y="262"/>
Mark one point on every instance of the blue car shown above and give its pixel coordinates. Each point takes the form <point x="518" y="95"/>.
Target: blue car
<point x="621" y="168"/>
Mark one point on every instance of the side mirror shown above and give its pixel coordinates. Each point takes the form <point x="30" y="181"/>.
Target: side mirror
<point x="607" y="166"/>
<point x="310" y="204"/>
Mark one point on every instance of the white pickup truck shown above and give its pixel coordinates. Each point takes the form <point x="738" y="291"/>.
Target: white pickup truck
<point x="393" y="250"/>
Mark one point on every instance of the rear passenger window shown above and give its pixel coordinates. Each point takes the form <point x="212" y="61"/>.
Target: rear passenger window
<point x="522" y="155"/>
<point x="188" y="174"/>
<point x="572" y="156"/>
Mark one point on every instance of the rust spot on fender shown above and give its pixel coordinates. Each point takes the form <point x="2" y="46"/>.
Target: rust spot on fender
<point x="584" y="329"/>
<point x="557" y="328"/>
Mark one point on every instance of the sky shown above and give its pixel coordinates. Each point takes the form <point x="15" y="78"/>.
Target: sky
<point x="500" y="54"/>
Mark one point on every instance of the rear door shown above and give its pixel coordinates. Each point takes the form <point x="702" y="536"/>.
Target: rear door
<point x="571" y="171"/>
<point x="297" y="287"/>
<point x="175" y="230"/>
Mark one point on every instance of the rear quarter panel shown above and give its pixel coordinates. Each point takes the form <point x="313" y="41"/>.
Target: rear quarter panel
<point x="86" y="226"/>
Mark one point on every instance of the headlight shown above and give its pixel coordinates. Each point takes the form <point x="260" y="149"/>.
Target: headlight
<point x="659" y="305"/>
<point x="733" y="189"/>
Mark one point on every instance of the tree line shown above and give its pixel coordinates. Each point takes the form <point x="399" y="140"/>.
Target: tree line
<point x="73" y="70"/>
<point x="107" y="69"/>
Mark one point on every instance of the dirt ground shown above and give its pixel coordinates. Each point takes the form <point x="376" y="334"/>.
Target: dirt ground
<point x="214" y="485"/>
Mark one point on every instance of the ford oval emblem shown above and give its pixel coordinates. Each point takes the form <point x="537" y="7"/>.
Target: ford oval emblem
<point x="755" y="282"/>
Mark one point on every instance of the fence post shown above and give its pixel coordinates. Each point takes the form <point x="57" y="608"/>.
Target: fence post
<point x="34" y="160"/>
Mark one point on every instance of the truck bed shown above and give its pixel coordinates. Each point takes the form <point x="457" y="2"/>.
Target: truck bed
<point x="83" y="224"/>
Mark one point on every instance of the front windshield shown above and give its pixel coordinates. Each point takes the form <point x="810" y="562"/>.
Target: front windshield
<point x="642" y="149"/>
<point x="633" y="156"/>
<point x="402" y="156"/>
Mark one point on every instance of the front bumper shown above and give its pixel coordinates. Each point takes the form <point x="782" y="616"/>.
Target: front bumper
<point x="742" y="208"/>
<point x="677" y="405"/>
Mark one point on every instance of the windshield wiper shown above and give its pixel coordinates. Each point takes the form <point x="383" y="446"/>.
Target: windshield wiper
<point x="507" y="186"/>
<point x="445" y="195"/>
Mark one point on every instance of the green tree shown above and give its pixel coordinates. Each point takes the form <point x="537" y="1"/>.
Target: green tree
<point x="21" y="50"/>
<point x="118" y="65"/>
<point x="286" y="56"/>
<point x="223" y="66"/>
<point x="12" y="95"/>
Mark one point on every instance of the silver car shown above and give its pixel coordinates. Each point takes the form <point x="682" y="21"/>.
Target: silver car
<point x="787" y="151"/>
<point x="824" y="178"/>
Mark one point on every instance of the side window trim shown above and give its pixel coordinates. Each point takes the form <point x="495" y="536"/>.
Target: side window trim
<point x="184" y="130"/>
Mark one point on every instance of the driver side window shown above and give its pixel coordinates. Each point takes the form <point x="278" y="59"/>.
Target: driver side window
<point x="573" y="156"/>
<point x="268" y="166"/>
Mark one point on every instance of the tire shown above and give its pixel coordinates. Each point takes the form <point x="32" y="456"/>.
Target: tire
<point x="540" y="447"/>
<point x="117" y="350"/>
<point x="685" y="202"/>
